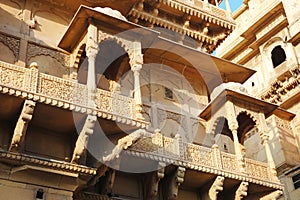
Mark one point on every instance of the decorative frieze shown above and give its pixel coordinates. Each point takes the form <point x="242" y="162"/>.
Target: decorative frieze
<point x="11" y="76"/>
<point x="12" y="43"/>
<point x="37" y="50"/>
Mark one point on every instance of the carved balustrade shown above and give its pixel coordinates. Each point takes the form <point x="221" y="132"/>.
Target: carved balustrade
<point x="68" y="94"/>
<point x="174" y="150"/>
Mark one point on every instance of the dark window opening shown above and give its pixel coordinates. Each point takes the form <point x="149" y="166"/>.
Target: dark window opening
<point x="169" y="93"/>
<point x="39" y="194"/>
<point x="278" y="56"/>
<point x="253" y="84"/>
<point x="296" y="181"/>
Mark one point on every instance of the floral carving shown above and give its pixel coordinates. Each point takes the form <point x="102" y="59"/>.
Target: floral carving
<point x="11" y="77"/>
<point x="114" y="103"/>
<point x="56" y="88"/>
<point x="198" y="155"/>
<point x="36" y="50"/>
<point x="12" y="43"/>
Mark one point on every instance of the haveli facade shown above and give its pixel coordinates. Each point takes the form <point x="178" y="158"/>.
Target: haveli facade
<point x="266" y="39"/>
<point x="122" y="100"/>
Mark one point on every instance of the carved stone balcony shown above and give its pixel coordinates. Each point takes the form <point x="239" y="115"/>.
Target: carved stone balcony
<point x="66" y="94"/>
<point x="203" y="159"/>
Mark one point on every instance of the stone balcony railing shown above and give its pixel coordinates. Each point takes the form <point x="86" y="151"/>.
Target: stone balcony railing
<point x="285" y="86"/>
<point x="66" y="94"/>
<point x="200" y="158"/>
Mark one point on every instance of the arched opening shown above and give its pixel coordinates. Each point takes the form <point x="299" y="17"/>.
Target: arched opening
<point x="223" y="135"/>
<point x="278" y="56"/>
<point x="246" y="123"/>
<point x="112" y="62"/>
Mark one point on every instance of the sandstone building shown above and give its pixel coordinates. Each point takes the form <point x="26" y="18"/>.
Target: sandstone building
<point x="266" y="39"/>
<point x="108" y="99"/>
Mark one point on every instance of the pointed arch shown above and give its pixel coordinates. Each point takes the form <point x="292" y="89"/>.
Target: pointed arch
<point x="246" y="122"/>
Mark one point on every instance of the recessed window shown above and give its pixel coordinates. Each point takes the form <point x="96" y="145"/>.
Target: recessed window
<point x="39" y="194"/>
<point x="296" y="181"/>
<point x="278" y="56"/>
<point x="169" y="93"/>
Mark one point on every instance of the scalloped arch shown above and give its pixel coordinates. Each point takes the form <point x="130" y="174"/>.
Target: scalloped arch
<point x="105" y="37"/>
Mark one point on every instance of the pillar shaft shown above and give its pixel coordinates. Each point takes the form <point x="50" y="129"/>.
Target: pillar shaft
<point x="264" y="134"/>
<point x="91" y="51"/>
<point x="137" y="90"/>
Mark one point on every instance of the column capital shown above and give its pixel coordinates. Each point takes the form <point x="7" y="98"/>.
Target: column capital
<point x="136" y="68"/>
<point x="264" y="138"/>
<point x="91" y="52"/>
<point x="233" y="126"/>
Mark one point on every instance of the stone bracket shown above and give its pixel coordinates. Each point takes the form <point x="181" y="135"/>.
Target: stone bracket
<point x="216" y="187"/>
<point x="241" y="192"/>
<point x="152" y="181"/>
<point x="82" y="140"/>
<point x="173" y="183"/>
<point x="17" y="142"/>
<point x="272" y="196"/>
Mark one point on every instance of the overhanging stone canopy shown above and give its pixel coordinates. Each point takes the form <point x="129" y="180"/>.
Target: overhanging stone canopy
<point x="201" y="20"/>
<point x="213" y="70"/>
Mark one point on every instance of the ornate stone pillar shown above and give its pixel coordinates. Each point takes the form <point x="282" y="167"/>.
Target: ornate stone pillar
<point x="233" y="126"/>
<point x="91" y="52"/>
<point x="264" y="135"/>
<point x="137" y="90"/>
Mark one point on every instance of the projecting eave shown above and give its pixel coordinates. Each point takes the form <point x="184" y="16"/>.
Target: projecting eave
<point x="79" y="24"/>
<point x="190" y="61"/>
<point x="240" y="98"/>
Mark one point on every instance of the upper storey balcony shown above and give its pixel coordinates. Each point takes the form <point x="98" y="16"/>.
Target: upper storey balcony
<point x="201" y="20"/>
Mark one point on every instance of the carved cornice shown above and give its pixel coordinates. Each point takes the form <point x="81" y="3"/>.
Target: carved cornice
<point x="49" y="163"/>
<point x="172" y="26"/>
<point x="213" y="14"/>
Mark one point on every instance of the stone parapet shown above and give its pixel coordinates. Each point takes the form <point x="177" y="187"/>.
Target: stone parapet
<point x="67" y="94"/>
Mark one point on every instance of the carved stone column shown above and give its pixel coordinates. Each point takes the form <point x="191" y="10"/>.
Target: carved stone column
<point x="82" y="140"/>
<point x="233" y="126"/>
<point x="91" y="52"/>
<point x="264" y="135"/>
<point x="137" y="90"/>
<point x="265" y="142"/>
<point x="17" y="142"/>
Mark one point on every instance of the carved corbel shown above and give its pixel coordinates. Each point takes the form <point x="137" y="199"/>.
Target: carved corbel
<point x="17" y="142"/>
<point x="272" y="196"/>
<point x="241" y="192"/>
<point x="124" y="143"/>
<point x="152" y="180"/>
<point x="82" y="140"/>
<point x="174" y="182"/>
<point x="216" y="187"/>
